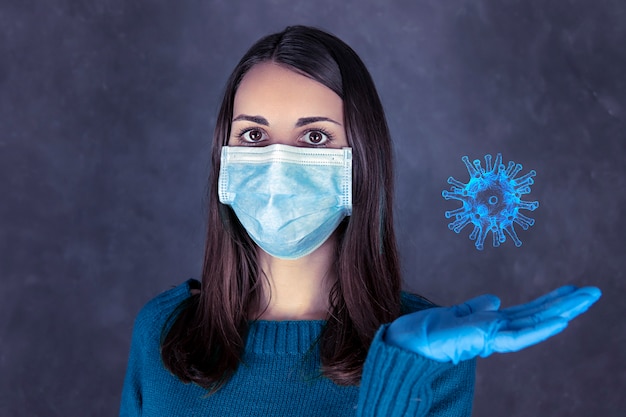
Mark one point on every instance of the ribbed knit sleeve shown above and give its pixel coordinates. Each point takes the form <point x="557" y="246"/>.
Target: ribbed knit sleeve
<point x="397" y="382"/>
<point x="131" y="391"/>
<point x="144" y="347"/>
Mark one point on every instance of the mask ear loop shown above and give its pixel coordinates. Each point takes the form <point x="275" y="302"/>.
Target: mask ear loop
<point x="347" y="181"/>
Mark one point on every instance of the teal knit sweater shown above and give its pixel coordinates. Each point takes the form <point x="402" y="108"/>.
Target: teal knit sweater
<point x="280" y="376"/>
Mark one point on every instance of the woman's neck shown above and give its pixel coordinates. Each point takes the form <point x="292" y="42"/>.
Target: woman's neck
<point x="298" y="288"/>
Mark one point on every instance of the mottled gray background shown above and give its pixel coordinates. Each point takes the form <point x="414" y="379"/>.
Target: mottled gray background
<point x="106" y="114"/>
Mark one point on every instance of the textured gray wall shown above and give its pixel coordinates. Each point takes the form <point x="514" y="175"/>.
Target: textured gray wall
<point x="106" y="114"/>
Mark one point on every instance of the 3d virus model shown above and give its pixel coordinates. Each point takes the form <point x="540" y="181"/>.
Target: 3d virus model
<point x="491" y="201"/>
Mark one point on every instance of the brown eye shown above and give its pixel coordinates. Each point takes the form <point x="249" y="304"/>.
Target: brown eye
<point x="315" y="137"/>
<point x="252" y="135"/>
<point x="255" y="135"/>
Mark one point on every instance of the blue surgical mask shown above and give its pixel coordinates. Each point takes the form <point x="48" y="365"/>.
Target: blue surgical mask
<point x="289" y="199"/>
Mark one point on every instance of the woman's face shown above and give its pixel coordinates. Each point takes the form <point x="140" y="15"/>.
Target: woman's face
<point x="277" y="105"/>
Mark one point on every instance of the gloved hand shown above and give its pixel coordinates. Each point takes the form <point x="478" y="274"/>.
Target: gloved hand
<point x="478" y="328"/>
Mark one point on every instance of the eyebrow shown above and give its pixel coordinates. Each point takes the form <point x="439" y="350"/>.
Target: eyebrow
<point x="301" y="121"/>
<point x="308" y="120"/>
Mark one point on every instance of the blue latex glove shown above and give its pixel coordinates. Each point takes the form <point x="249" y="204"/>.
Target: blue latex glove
<point x="478" y="328"/>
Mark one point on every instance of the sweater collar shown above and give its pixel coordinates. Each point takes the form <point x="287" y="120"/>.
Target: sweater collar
<point x="283" y="337"/>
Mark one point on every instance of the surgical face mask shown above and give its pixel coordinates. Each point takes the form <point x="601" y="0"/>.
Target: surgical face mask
<point x="289" y="199"/>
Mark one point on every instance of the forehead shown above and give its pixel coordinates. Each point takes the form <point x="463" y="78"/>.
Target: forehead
<point x="272" y="88"/>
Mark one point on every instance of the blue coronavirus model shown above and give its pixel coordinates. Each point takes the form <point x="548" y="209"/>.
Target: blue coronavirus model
<point x="491" y="200"/>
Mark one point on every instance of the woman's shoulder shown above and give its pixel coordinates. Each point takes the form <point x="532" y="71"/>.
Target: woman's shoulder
<point x="411" y="303"/>
<point x="158" y="310"/>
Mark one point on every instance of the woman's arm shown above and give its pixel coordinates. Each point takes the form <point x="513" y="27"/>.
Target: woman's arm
<point x="131" y="391"/>
<point x="397" y="382"/>
<point x="479" y="327"/>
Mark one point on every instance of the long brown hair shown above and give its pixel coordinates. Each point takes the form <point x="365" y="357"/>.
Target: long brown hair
<point x="206" y="339"/>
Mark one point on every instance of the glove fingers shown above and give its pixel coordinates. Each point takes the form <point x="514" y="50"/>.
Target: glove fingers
<point x="567" y="307"/>
<point x="485" y="302"/>
<point x="514" y="340"/>
<point x="586" y="297"/>
<point x="541" y="301"/>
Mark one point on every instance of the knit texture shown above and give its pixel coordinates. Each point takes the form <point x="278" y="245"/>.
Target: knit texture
<point x="280" y="375"/>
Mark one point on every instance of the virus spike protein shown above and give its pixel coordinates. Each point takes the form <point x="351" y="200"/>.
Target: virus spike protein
<point x="491" y="200"/>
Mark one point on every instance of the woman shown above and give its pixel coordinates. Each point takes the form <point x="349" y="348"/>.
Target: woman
<point x="300" y="310"/>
